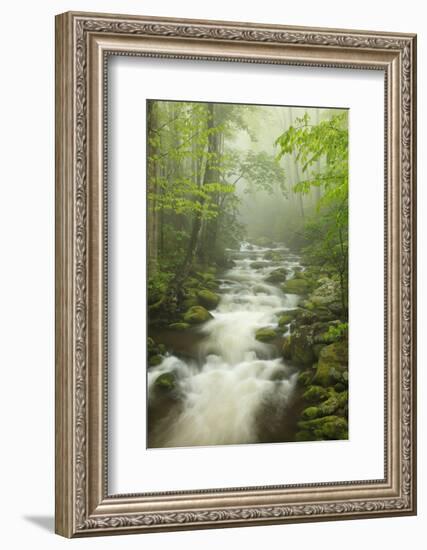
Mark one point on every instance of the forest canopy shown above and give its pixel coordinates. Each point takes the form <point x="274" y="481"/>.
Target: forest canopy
<point x="221" y="173"/>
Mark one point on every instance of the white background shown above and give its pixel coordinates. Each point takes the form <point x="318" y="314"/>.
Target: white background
<point x="26" y="299"/>
<point x="132" y="80"/>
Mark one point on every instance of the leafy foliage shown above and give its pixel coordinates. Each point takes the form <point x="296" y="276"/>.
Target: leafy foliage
<point x="322" y="149"/>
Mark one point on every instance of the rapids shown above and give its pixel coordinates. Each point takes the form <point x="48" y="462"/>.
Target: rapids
<point x="232" y="389"/>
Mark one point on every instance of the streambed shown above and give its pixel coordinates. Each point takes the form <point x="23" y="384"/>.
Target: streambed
<point x="230" y="388"/>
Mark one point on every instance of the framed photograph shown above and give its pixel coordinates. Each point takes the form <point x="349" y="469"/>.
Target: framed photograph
<point x="235" y="274"/>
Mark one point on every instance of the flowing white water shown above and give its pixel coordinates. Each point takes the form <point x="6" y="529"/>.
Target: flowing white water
<point x="237" y="378"/>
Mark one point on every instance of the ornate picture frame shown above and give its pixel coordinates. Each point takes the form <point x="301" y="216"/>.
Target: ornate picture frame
<point x="84" y="42"/>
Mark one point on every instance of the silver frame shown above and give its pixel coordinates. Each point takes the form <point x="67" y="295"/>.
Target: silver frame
<point x="83" y="43"/>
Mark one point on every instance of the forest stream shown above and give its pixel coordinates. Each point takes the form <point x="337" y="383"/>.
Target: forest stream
<point x="231" y="388"/>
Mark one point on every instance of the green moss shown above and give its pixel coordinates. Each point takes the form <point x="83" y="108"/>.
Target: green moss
<point x="265" y="334"/>
<point x="304" y="378"/>
<point x="311" y="412"/>
<point x="212" y="285"/>
<point x="288" y="316"/>
<point x="179" y="326"/>
<point x="296" y="286"/>
<point x="327" y="427"/>
<point x="190" y="302"/>
<point x="208" y="299"/>
<point x="301" y="346"/>
<point x="166" y="381"/>
<point x="332" y="364"/>
<point x="315" y="394"/>
<point x="196" y="315"/>
<point x="154" y="360"/>
<point x="205" y="276"/>
<point x="285" y="320"/>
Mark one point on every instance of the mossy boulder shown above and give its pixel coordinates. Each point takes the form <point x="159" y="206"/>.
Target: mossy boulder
<point x="335" y="402"/>
<point x="311" y="412"/>
<point x="205" y="276"/>
<point x="196" y="315"/>
<point x="208" y="299"/>
<point x="326" y="427"/>
<point x="302" y="346"/>
<point x="315" y="394"/>
<point x="333" y="362"/>
<point x="154" y="360"/>
<point x="278" y="375"/>
<point x="265" y="334"/>
<point x="166" y="381"/>
<point x="155" y="352"/>
<point x="305" y="378"/>
<point x="179" y="326"/>
<point x="305" y="316"/>
<point x="287" y="317"/>
<point x="327" y="292"/>
<point x="296" y="286"/>
<point x="278" y="275"/>
<point x="191" y="301"/>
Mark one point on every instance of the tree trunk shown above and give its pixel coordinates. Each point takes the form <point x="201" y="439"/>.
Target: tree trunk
<point x="209" y="177"/>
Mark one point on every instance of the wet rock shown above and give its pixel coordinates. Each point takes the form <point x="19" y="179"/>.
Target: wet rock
<point x="208" y="299"/>
<point x="179" y="326"/>
<point x="265" y="334"/>
<point x="196" y="315"/>
<point x="165" y="382"/>
<point x="278" y="275"/>
<point x="287" y="317"/>
<point x="278" y="375"/>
